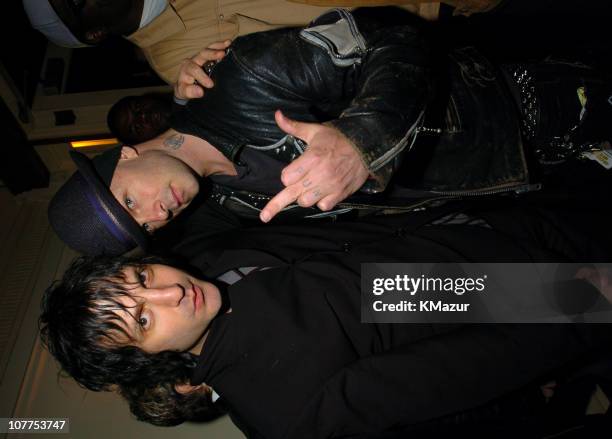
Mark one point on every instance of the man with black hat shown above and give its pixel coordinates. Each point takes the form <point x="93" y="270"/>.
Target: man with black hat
<point x="361" y="92"/>
<point x="156" y="180"/>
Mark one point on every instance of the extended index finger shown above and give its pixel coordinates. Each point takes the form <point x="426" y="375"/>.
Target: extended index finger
<point x="283" y="199"/>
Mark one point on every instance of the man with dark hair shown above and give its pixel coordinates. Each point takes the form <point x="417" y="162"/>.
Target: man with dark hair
<point x="136" y="119"/>
<point x="283" y="345"/>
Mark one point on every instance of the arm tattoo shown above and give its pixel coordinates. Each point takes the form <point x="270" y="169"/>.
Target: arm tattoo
<point x="174" y="141"/>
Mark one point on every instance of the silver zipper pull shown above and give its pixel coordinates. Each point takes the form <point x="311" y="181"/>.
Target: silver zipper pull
<point x="429" y="131"/>
<point x="528" y="188"/>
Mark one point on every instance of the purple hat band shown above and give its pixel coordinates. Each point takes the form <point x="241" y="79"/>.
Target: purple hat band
<point x="106" y="217"/>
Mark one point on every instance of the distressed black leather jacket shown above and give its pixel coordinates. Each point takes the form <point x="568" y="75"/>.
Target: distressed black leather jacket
<point x="378" y="86"/>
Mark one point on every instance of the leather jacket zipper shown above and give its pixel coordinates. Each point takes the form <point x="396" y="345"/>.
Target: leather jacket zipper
<point x="446" y="196"/>
<point x="519" y="189"/>
<point x="452" y="122"/>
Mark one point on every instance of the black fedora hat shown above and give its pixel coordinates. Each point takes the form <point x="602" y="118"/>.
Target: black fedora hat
<point x="85" y="214"/>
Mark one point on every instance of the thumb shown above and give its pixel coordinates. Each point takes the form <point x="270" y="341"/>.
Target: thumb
<point x="292" y="127"/>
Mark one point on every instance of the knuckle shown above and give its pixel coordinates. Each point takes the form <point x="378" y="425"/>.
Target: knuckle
<point x="304" y="201"/>
<point x="294" y="192"/>
<point x="324" y="205"/>
<point x="319" y="152"/>
<point x="332" y="178"/>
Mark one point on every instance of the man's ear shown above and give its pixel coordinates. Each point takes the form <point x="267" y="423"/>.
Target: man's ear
<point x="186" y="388"/>
<point x="128" y="152"/>
<point x="96" y="35"/>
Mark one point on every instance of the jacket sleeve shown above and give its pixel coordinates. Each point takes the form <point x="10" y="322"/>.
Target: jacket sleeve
<point x="372" y="86"/>
<point x="389" y="91"/>
<point x="436" y="377"/>
<point x="388" y="83"/>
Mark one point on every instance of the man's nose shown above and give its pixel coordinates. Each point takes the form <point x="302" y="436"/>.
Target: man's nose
<point x="157" y="212"/>
<point x="161" y="212"/>
<point x="170" y="295"/>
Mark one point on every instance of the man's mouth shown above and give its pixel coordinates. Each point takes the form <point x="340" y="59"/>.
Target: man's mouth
<point x="198" y="297"/>
<point x="178" y="198"/>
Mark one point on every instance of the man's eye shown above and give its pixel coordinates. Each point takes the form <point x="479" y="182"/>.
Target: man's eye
<point x="142" y="278"/>
<point x="147" y="228"/>
<point x="129" y="203"/>
<point x="143" y="321"/>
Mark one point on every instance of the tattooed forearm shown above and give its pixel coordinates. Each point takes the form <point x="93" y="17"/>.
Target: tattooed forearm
<point x="174" y="141"/>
